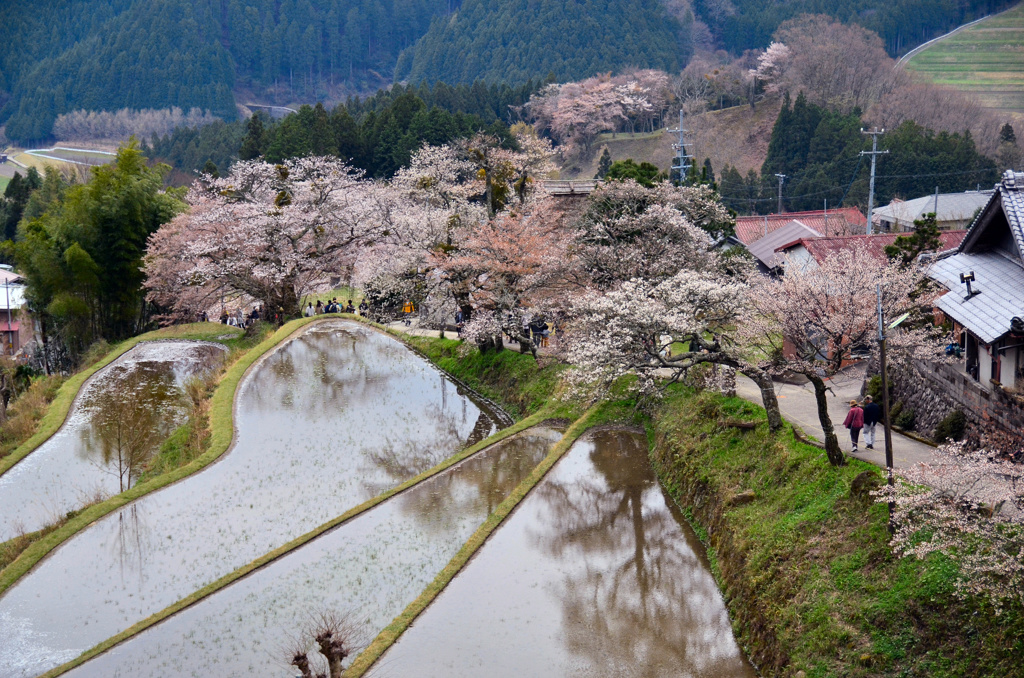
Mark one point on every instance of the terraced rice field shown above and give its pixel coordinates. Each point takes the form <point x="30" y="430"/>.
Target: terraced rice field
<point x="985" y="60"/>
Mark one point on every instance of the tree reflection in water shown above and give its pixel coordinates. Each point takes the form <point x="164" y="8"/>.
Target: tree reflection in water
<point x="595" y="574"/>
<point x="131" y="419"/>
<point x="641" y="598"/>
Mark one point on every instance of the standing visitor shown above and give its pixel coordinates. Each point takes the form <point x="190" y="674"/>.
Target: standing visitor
<point x="855" y="422"/>
<point x="408" y="309"/>
<point x="363" y="308"/>
<point x="872" y="415"/>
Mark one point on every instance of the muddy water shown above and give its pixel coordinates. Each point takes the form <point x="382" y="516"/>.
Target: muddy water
<point x="595" y="574"/>
<point x="370" y="568"/>
<point x="325" y="422"/>
<point x="116" y="424"/>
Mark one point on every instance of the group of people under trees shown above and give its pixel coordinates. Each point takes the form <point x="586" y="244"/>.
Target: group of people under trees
<point x="335" y="306"/>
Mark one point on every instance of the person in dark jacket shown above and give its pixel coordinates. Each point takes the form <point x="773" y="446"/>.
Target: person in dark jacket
<point x="855" y="422"/>
<point x="872" y="415"/>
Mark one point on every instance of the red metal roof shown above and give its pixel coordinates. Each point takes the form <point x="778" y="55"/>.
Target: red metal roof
<point x="3" y="325"/>
<point x="821" y="248"/>
<point x="842" y="220"/>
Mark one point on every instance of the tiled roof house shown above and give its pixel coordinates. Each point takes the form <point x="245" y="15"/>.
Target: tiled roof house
<point x="804" y="251"/>
<point x="985" y="279"/>
<point x="955" y="210"/>
<point x="843" y="221"/>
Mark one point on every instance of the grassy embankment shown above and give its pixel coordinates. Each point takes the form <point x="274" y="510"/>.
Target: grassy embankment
<point x="985" y="60"/>
<point x="483" y="372"/>
<point x="806" y="568"/>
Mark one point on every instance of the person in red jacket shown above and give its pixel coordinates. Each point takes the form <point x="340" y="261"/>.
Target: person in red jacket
<point x="855" y="422"/>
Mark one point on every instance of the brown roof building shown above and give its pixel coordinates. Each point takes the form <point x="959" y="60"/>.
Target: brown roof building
<point x="843" y="221"/>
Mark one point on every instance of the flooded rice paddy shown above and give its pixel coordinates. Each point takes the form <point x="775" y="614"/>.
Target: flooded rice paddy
<point x="370" y="568"/>
<point x="116" y="424"/>
<point x="325" y="422"/>
<point x="595" y="574"/>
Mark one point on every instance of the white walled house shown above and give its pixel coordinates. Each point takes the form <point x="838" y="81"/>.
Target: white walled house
<point x="985" y="279"/>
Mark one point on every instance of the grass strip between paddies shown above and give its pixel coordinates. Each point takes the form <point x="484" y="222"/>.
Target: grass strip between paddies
<point x="222" y="431"/>
<point x="386" y="638"/>
<point x="57" y="412"/>
<point x="284" y="550"/>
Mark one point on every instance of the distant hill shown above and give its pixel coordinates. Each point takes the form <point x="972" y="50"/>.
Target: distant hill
<point x="902" y="24"/>
<point x="65" y="55"/>
<point x="514" y="40"/>
<point x="985" y="60"/>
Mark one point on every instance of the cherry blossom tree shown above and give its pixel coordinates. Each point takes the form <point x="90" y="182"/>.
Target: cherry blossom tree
<point x="966" y="505"/>
<point x="511" y="268"/>
<point x="265" y="232"/>
<point x="771" y="67"/>
<point x="812" y="320"/>
<point x="632" y="232"/>
<point x="631" y="329"/>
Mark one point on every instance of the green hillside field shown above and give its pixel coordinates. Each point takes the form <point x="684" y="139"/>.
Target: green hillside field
<point x="985" y="60"/>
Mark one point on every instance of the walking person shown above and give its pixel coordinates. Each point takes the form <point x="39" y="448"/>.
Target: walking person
<point x="855" y="422"/>
<point x="407" y="310"/>
<point x="872" y="415"/>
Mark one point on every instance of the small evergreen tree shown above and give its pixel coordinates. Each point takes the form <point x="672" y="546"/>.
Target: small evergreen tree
<point x="254" y="143"/>
<point x="644" y="174"/>
<point x="925" y="238"/>
<point x="603" y="164"/>
<point x="1007" y="135"/>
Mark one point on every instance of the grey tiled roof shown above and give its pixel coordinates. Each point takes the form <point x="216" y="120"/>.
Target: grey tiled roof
<point x="1000" y="282"/>
<point x="1011" y="192"/>
<point x="764" y="248"/>
<point x="952" y="207"/>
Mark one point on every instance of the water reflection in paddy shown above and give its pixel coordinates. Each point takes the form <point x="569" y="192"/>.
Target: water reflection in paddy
<point x="595" y="574"/>
<point x="371" y="567"/>
<point x="327" y="421"/>
<point x="116" y="424"/>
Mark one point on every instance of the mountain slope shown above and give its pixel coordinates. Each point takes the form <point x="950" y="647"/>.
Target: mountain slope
<point x="111" y="54"/>
<point x="514" y="40"/>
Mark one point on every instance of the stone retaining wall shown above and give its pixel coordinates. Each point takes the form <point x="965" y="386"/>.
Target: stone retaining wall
<point x="934" y="390"/>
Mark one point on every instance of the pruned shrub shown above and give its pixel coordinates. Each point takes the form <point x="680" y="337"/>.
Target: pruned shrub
<point x="952" y="427"/>
<point x="905" y="420"/>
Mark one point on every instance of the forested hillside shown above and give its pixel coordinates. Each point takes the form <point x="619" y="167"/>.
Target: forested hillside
<point x="113" y="54"/>
<point x="155" y="54"/>
<point x="378" y="135"/>
<point x="514" y="40"/>
<point x="902" y="24"/>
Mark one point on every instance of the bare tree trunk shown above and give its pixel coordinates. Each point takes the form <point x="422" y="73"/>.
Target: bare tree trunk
<point x="835" y="455"/>
<point x="768" y="398"/>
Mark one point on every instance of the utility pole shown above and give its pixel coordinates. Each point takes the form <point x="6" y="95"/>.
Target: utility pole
<point x="10" y="334"/>
<point x="885" y="401"/>
<point x="874" y="153"/>
<point x="681" y="160"/>
<point x="782" y="178"/>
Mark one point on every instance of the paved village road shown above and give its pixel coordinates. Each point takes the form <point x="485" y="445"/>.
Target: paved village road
<point x="799" y="407"/>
